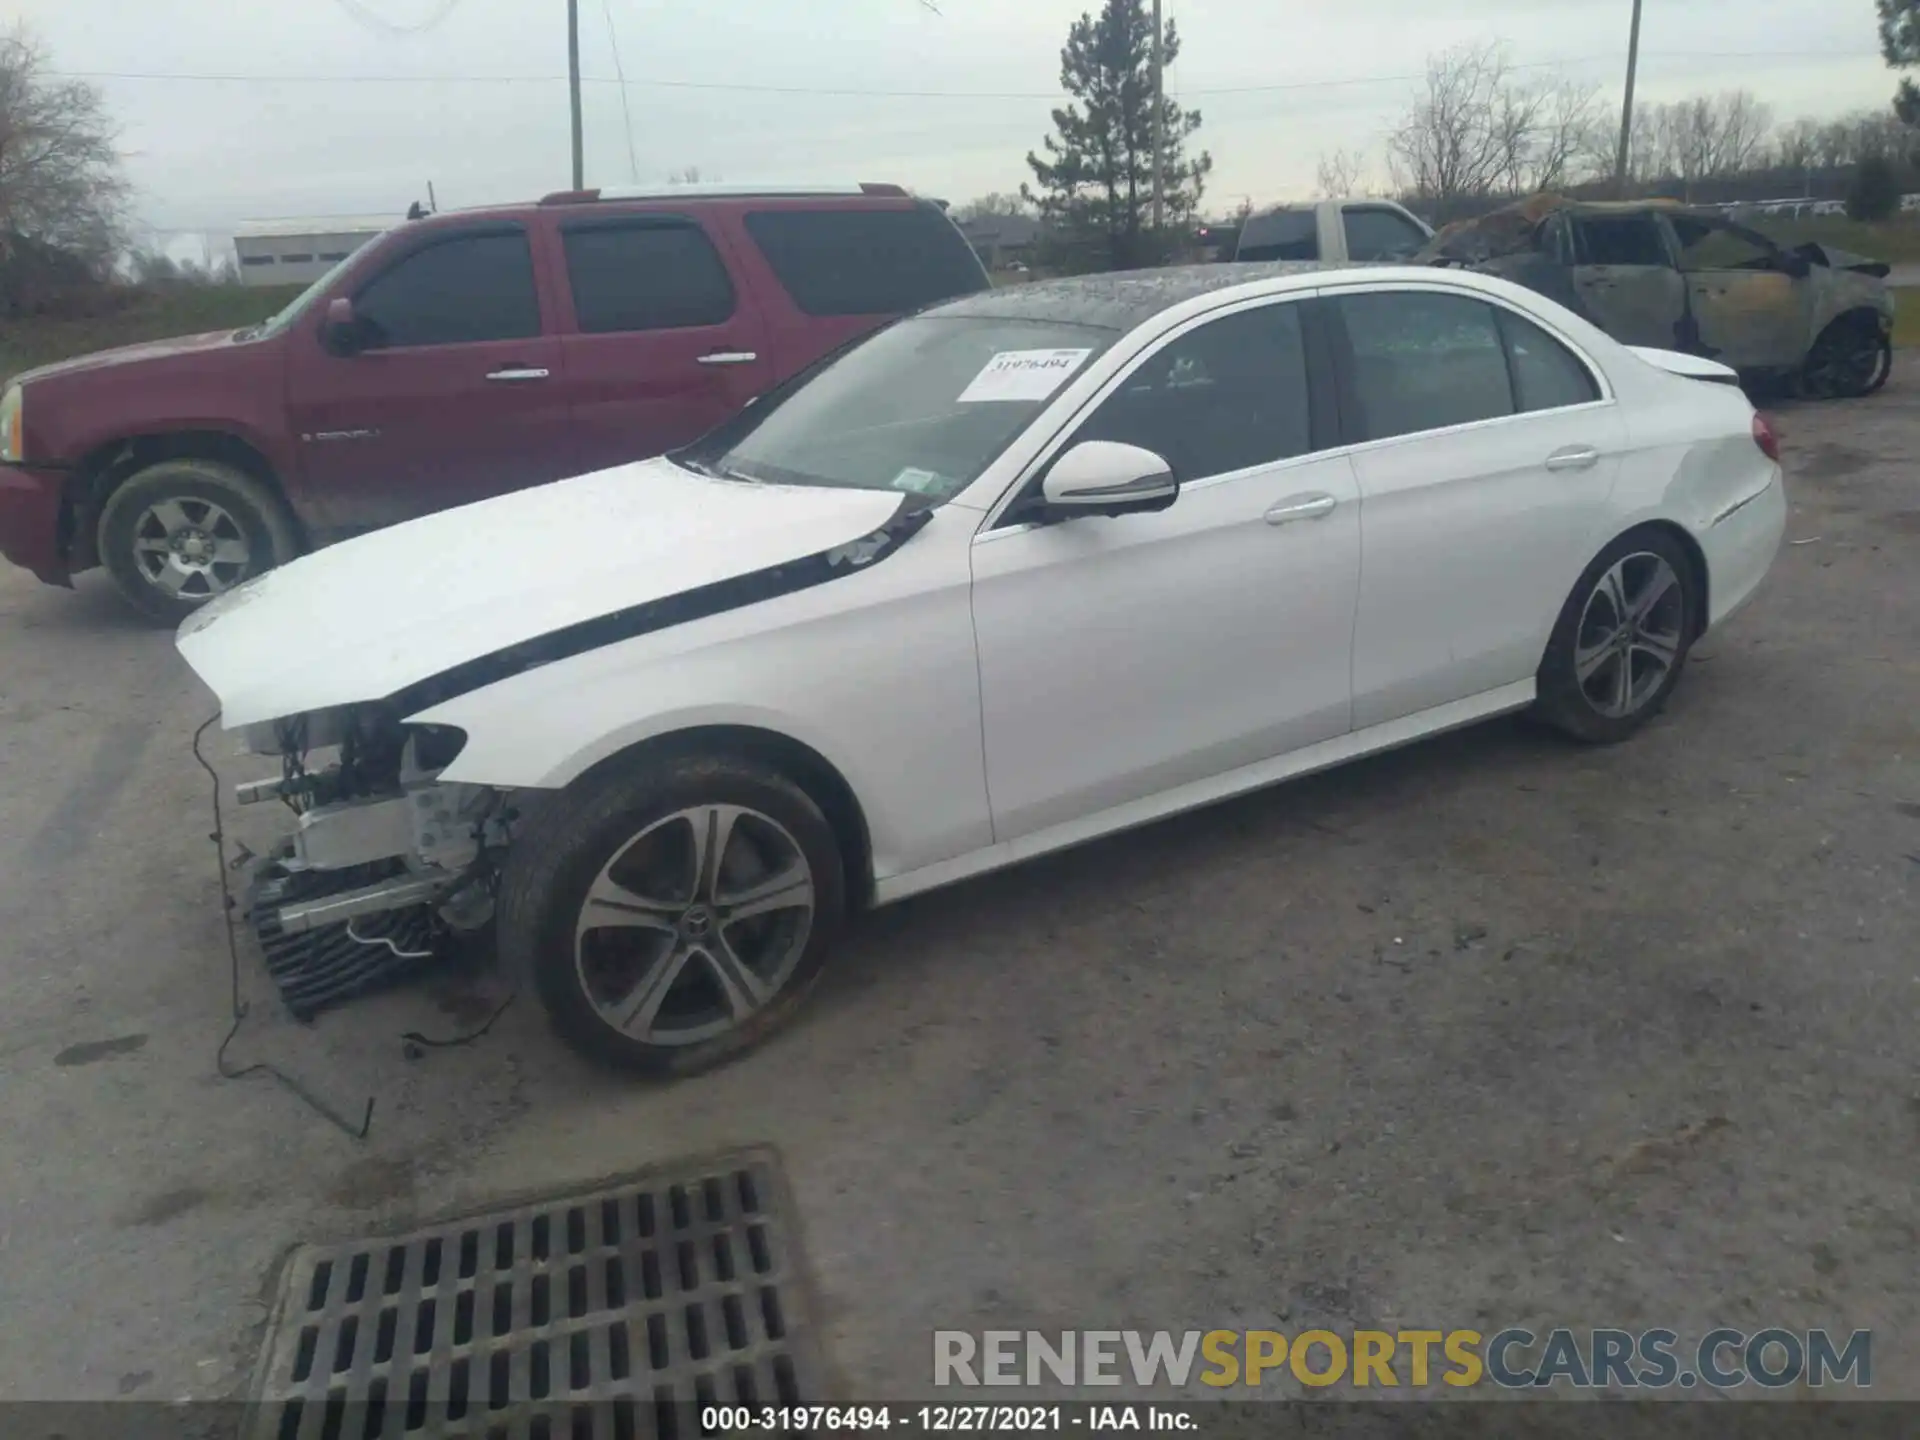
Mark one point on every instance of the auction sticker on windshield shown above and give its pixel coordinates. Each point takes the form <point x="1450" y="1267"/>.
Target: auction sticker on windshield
<point x="1023" y="375"/>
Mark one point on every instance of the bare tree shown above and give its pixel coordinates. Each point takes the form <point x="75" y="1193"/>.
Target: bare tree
<point x="1707" y="137"/>
<point x="686" y="175"/>
<point x="1343" y="173"/>
<point x="60" y="177"/>
<point x="994" y="203"/>
<point x="1796" y="146"/>
<point x="1475" y="131"/>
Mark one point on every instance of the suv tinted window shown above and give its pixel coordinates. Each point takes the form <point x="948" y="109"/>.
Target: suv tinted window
<point x="1546" y="375"/>
<point x="866" y="262"/>
<point x="645" y="275"/>
<point x="1280" y="235"/>
<point x="1376" y="234"/>
<point x="1227" y="396"/>
<point x="1423" y="361"/>
<point x="1620" y="240"/>
<point x="457" y="291"/>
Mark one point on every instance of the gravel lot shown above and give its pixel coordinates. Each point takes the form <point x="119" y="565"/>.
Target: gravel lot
<point x="1489" y="1031"/>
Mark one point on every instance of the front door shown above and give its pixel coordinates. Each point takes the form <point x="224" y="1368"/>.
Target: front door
<point x="663" y="346"/>
<point x="1751" y="312"/>
<point x="1628" y="282"/>
<point x="454" y="394"/>
<point x="1121" y="657"/>
<point x="1488" y="457"/>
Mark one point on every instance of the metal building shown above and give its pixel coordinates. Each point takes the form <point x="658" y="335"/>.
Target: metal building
<point x="294" y="252"/>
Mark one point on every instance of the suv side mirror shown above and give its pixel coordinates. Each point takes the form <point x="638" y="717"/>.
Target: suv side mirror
<point x="340" y="331"/>
<point x="1104" y="477"/>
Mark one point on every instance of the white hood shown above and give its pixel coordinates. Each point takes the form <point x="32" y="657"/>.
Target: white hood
<point x="360" y="620"/>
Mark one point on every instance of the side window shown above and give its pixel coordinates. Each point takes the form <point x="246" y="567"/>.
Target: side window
<point x="1711" y="245"/>
<point x="1227" y="396"/>
<point x="455" y="292"/>
<point x="1621" y="240"/>
<point x="1546" y="375"/>
<point x="866" y="262"/>
<point x="1377" y="234"/>
<point x="1556" y="240"/>
<point x="645" y="275"/>
<point x="1280" y="235"/>
<point x="1424" y="361"/>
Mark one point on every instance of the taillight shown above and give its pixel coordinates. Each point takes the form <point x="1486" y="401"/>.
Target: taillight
<point x="1765" y="438"/>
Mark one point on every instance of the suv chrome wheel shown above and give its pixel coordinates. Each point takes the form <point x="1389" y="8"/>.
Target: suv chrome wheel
<point x="190" y="548"/>
<point x="695" y="925"/>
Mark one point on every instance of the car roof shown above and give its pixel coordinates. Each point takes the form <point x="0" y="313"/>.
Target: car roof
<point x="1123" y="300"/>
<point x="685" y="197"/>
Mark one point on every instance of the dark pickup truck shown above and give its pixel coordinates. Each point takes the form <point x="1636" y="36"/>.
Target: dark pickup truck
<point x="458" y="356"/>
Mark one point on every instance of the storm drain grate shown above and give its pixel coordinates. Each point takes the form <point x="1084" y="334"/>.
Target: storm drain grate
<point x="611" y="1315"/>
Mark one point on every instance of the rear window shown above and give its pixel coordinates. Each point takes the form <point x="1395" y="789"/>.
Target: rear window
<point x="645" y="275"/>
<point x="866" y="262"/>
<point x="1280" y="235"/>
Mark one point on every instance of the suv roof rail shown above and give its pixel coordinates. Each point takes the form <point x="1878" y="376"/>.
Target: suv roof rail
<point x="714" y="189"/>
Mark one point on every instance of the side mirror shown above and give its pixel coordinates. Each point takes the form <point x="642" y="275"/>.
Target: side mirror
<point x="1104" y="477"/>
<point x="340" y="330"/>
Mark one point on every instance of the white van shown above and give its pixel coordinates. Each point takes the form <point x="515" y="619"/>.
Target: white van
<point x="1333" y="230"/>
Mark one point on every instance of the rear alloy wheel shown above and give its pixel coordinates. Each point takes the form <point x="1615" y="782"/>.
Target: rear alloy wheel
<point x="1851" y="358"/>
<point x="675" y="913"/>
<point x="176" y="534"/>
<point x="1621" y="640"/>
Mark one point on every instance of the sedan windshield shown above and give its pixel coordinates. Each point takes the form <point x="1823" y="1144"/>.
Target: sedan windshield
<point x="922" y="407"/>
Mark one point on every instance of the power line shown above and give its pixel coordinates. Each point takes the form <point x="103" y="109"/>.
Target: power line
<point x="374" y="20"/>
<point x="626" y="111"/>
<point x="1192" y="92"/>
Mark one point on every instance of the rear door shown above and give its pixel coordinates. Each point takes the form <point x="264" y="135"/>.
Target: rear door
<point x="1626" y="278"/>
<point x="661" y="345"/>
<point x="833" y="273"/>
<point x="457" y="393"/>
<point x="1752" y="314"/>
<point x="1487" y="455"/>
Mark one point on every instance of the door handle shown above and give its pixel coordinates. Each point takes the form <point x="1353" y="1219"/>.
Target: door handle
<point x="1301" y="507"/>
<point x="729" y="357"/>
<point x="519" y="372"/>
<point x="1574" y="457"/>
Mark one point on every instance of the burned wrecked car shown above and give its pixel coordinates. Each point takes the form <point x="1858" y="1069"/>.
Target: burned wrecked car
<point x="1657" y="274"/>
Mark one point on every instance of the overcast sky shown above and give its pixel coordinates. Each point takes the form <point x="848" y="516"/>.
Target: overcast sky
<point x="476" y="100"/>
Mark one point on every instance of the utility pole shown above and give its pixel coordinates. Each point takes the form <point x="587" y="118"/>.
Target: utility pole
<point x="573" y="82"/>
<point x="1626" y="109"/>
<point x="1159" y="127"/>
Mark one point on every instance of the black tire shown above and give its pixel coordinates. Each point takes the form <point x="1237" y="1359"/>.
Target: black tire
<point x="567" y="839"/>
<point x="1852" y="358"/>
<point x="1567" y="702"/>
<point x="229" y="504"/>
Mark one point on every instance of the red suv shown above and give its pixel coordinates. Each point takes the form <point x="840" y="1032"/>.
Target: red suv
<point x="456" y="357"/>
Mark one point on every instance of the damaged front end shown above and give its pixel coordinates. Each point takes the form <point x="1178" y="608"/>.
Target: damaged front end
<point x="385" y="864"/>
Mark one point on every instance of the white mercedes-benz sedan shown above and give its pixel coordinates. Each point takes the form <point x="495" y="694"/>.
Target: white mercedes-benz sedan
<point x="1018" y="571"/>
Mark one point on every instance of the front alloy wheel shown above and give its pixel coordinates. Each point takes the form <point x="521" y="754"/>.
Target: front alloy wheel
<point x="695" y="925"/>
<point x="672" y="909"/>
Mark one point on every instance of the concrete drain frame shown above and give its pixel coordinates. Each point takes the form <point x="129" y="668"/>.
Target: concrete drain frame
<point x="612" y="1313"/>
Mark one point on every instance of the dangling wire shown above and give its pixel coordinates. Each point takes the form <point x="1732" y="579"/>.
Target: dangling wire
<point x="620" y="74"/>
<point x="240" y="1006"/>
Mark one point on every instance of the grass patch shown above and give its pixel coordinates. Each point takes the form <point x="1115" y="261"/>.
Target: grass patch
<point x="1906" y="316"/>
<point x="148" y="315"/>
<point x="1895" y="241"/>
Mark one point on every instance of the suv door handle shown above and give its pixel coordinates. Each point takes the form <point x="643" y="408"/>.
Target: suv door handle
<point x="729" y="357"/>
<point x="1301" y="507"/>
<point x="519" y="372"/>
<point x="1574" y="457"/>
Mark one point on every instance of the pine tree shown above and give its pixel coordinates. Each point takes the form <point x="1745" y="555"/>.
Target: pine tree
<point x="1900" y="44"/>
<point x="1094" y="186"/>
